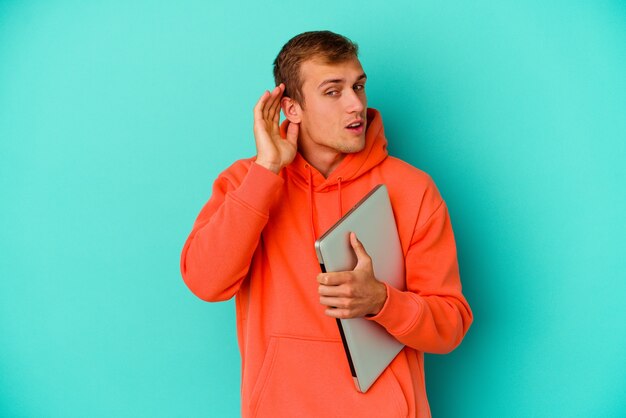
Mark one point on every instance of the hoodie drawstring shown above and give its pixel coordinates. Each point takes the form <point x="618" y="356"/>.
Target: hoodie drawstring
<point x="339" y="195"/>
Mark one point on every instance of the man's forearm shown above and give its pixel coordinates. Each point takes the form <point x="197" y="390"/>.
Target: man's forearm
<point x="219" y="250"/>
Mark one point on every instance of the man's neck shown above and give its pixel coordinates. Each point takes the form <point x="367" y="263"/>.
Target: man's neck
<point x="324" y="162"/>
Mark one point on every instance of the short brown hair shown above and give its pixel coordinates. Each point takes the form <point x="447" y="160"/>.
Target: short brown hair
<point x="328" y="46"/>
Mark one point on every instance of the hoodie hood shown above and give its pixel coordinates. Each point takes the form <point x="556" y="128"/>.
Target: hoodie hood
<point x="351" y="167"/>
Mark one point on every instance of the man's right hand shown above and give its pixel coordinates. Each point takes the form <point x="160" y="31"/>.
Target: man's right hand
<point x="273" y="152"/>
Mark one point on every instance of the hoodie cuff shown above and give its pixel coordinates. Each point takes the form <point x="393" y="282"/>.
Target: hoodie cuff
<point x="259" y="188"/>
<point x="400" y="311"/>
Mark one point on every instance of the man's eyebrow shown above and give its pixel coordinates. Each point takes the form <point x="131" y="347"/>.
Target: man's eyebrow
<point x="340" y="80"/>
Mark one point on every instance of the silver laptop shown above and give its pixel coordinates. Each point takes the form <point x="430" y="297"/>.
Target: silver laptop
<point x="369" y="347"/>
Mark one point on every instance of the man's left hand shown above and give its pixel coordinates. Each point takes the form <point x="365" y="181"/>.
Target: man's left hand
<point x="355" y="293"/>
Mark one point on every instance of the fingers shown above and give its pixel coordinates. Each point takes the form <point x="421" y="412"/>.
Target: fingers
<point x="268" y="105"/>
<point x="273" y="104"/>
<point x="335" y="302"/>
<point x="337" y="285"/>
<point x="277" y="94"/>
<point x="335" y="291"/>
<point x="260" y="105"/>
<point x="333" y="279"/>
<point x="340" y="307"/>
<point x="340" y="313"/>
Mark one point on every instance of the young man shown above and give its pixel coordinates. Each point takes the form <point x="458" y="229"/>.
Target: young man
<point x="254" y="239"/>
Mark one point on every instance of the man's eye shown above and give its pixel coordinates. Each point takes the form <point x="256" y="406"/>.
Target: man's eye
<point x="359" y="87"/>
<point x="332" y="93"/>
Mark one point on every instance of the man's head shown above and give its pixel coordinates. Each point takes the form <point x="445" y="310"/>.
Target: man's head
<point x="324" y="46"/>
<point x="325" y="96"/>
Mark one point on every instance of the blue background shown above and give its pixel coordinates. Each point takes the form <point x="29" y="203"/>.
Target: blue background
<point x="115" y="117"/>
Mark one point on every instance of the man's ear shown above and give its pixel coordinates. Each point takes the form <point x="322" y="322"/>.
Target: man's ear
<point x="291" y="109"/>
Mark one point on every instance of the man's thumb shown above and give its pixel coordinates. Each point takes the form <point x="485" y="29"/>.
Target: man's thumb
<point x="361" y="255"/>
<point x="292" y="132"/>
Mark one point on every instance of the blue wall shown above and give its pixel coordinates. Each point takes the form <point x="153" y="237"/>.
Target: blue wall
<point x="116" y="116"/>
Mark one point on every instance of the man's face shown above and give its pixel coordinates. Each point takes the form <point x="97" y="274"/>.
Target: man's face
<point x="333" y="117"/>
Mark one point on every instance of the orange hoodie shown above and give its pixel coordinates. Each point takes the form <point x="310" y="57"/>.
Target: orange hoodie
<point x="254" y="239"/>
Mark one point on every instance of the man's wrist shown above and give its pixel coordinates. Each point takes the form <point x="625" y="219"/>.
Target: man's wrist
<point x="381" y="298"/>
<point x="274" y="168"/>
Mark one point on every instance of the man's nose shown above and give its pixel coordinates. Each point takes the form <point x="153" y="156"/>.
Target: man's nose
<point x="353" y="102"/>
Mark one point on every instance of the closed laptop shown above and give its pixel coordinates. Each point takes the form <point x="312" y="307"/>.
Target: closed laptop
<point x="369" y="347"/>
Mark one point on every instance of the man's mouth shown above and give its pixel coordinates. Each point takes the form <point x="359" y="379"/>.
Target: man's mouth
<point x="356" y="126"/>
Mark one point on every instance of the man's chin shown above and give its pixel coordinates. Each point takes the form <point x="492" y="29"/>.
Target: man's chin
<point x="352" y="147"/>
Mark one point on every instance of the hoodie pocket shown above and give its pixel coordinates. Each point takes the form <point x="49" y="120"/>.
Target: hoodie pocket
<point x="311" y="378"/>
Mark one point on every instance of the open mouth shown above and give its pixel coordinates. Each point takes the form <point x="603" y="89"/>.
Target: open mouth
<point x="356" y="127"/>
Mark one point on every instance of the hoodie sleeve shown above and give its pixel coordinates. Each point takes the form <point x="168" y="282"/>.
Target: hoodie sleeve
<point x="432" y="315"/>
<point x="218" y="252"/>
